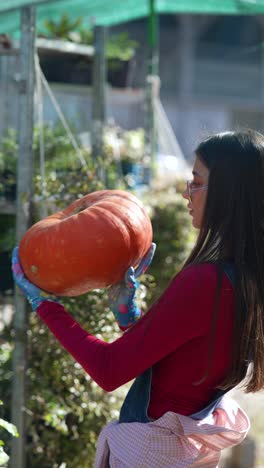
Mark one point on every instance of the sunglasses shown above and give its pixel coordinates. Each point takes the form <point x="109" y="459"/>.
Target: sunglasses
<point x="192" y="187"/>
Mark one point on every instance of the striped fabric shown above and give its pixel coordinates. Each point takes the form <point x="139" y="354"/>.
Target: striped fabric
<point x="174" y="440"/>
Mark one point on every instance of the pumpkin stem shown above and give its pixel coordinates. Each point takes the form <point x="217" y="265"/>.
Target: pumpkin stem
<point x="78" y="209"/>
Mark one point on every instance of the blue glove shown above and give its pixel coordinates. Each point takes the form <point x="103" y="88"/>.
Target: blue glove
<point x="121" y="296"/>
<point x="34" y="295"/>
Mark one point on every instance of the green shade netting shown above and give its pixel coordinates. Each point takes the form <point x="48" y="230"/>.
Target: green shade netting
<point x="111" y="12"/>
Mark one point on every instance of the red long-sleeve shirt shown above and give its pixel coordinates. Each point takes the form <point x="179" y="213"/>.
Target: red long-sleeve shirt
<point x="173" y="339"/>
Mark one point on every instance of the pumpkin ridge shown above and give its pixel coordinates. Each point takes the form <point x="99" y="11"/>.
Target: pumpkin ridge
<point x="86" y="204"/>
<point x="118" y="220"/>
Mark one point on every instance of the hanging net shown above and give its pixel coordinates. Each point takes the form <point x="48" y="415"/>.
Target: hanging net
<point x="171" y="162"/>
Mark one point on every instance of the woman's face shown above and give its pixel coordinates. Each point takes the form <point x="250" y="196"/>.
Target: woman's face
<point x="196" y="204"/>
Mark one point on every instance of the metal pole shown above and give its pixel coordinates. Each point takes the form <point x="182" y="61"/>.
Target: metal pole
<point x="24" y="193"/>
<point x="153" y="38"/>
<point x="99" y="79"/>
<point x="152" y="72"/>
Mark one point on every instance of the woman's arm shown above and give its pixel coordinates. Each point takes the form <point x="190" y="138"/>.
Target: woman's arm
<point x="183" y="313"/>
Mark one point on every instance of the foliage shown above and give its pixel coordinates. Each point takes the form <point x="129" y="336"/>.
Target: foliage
<point x="8" y="162"/>
<point x="8" y="151"/>
<point x="65" y="177"/>
<point x="173" y="235"/>
<point x="5" y="425"/>
<point x="7" y="232"/>
<point x="59" y="151"/>
<point x="62" y="28"/>
<point x="125" y="145"/>
<point x="60" y="156"/>
<point x="133" y="145"/>
<point x="67" y="409"/>
<point x="118" y="46"/>
<point x="13" y="431"/>
<point x="127" y="149"/>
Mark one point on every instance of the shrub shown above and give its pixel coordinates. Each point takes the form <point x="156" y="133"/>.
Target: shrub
<point x="5" y="426"/>
<point x="173" y="235"/>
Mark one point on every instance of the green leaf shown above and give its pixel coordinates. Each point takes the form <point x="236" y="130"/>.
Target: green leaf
<point x="9" y="427"/>
<point x="62" y="28"/>
<point x="3" y="457"/>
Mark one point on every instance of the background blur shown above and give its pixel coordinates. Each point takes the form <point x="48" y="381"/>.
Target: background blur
<point x="211" y="70"/>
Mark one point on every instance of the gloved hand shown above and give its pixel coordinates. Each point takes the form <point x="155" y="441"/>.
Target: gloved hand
<point x="33" y="294"/>
<point x="121" y="296"/>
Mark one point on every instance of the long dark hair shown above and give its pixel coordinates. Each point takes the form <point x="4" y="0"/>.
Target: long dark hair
<point x="233" y="230"/>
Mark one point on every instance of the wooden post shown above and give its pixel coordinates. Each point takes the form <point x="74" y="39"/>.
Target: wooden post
<point x="186" y="42"/>
<point x="153" y="60"/>
<point x="99" y="80"/>
<point x="4" y="120"/>
<point x="24" y="189"/>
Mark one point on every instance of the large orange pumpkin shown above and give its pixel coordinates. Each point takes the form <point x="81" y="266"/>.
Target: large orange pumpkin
<point x="88" y="245"/>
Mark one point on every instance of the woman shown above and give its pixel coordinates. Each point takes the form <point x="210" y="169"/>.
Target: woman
<point x="197" y="340"/>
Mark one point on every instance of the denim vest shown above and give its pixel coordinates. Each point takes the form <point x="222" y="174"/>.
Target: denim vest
<point x="135" y="406"/>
